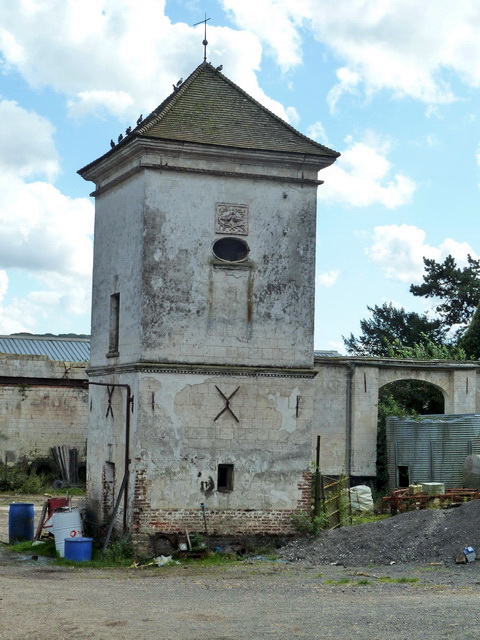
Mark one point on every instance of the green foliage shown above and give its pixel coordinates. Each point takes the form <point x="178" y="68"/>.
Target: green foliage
<point x="389" y="326"/>
<point x="119" y="551"/>
<point x="198" y="541"/>
<point x="17" y="479"/>
<point x="308" y="525"/>
<point x="427" y="349"/>
<point x="458" y="289"/>
<point x="470" y="341"/>
<point x="389" y="405"/>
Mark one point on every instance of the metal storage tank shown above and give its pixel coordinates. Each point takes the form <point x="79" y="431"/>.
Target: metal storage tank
<point x="430" y="448"/>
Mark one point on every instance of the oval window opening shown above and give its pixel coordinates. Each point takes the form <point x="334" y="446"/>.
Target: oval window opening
<point x="230" y="249"/>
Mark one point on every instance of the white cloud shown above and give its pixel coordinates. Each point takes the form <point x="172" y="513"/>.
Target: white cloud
<point x="316" y="131"/>
<point x="292" y="116"/>
<point x="43" y="233"/>
<point x="275" y="22"/>
<point x="27" y="142"/>
<point x="399" y="251"/>
<point x="328" y="278"/>
<point x="115" y="102"/>
<point x="400" y="45"/>
<point x="362" y="176"/>
<point x="73" y="53"/>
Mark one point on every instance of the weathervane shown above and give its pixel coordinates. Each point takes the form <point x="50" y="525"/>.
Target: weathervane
<point x="205" y="41"/>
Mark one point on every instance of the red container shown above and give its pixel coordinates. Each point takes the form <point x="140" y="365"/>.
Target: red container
<point x="56" y="503"/>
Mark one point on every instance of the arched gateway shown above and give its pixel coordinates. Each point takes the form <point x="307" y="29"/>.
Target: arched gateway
<point x="346" y="403"/>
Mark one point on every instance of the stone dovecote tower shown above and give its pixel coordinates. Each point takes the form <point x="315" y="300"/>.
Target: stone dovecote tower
<point x="202" y="326"/>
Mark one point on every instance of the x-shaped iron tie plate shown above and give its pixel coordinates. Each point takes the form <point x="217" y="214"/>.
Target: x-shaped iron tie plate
<point x="227" y="404"/>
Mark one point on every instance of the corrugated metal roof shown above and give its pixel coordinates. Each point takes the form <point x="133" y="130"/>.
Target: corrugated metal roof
<point x="327" y="354"/>
<point x="60" y="349"/>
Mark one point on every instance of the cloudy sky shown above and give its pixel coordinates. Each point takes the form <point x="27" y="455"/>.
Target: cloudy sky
<point x="393" y="85"/>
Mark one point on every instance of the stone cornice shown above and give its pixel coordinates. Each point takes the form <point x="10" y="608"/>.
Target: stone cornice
<point x="201" y="369"/>
<point x="146" y="153"/>
<point x="394" y="363"/>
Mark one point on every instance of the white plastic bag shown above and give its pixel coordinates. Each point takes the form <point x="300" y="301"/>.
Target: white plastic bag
<point x="361" y="498"/>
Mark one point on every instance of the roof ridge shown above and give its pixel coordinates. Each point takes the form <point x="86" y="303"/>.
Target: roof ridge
<point x="169" y="102"/>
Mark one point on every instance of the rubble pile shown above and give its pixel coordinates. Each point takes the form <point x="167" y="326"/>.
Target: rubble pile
<point x="429" y="535"/>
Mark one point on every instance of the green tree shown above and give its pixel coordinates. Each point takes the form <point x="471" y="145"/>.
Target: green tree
<point x="388" y="405"/>
<point x="389" y="325"/>
<point x="458" y="289"/>
<point x="427" y="350"/>
<point x="470" y="342"/>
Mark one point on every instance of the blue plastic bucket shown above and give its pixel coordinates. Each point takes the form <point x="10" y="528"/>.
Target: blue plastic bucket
<point x="78" y="549"/>
<point x="20" y="522"/>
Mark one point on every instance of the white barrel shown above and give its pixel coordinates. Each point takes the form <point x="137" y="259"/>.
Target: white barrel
<point x="67" y="523"/>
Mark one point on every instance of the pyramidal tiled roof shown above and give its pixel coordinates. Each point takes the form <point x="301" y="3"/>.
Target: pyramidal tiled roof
<point x="208" y="108"/>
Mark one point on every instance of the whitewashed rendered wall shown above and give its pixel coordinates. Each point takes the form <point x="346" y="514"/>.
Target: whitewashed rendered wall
<point x="180" y="445"/>
<point x="117" y="269"/>
<point x="196" y="310"/>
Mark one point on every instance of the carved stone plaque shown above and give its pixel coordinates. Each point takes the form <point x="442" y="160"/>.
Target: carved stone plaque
<point x="231" y="219"/>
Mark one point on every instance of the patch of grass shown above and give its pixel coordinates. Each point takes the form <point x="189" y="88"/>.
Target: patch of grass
<point x="118" y="554"/>
<point x="402" y="580"/>
<point x="338" y="582"/>
<point x="72" y="491"/>
<point x="360" y="583"/>
<point x="47" y="548"/>
<point x="211" y="559"/>
<point x="368" y="517"/>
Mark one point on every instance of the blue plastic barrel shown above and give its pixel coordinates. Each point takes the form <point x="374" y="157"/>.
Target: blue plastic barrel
<point x="78" y="549"/>
<point x="20" y="522"/>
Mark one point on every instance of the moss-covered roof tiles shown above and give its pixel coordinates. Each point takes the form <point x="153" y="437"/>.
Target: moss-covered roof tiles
<point x="208" y="108"/>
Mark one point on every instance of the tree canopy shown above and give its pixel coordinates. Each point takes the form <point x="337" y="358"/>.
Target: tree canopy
<point x="390" y="325"/>
<point x="458" y="289"/>
<point x="470" y="342"/>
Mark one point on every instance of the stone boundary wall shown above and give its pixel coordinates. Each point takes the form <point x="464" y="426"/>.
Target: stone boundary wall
<point x="40" y="415"/>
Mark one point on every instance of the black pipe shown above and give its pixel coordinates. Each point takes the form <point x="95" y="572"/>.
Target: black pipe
<point x="349" y="420"/>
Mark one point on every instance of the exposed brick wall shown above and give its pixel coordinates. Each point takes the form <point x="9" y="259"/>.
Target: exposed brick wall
<point x="237" y="522"/>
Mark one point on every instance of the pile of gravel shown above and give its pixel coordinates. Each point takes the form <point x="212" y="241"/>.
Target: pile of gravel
<point x="430" y="535"/>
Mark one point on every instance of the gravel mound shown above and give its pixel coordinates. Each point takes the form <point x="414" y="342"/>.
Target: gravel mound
<point x="430" y="535"/>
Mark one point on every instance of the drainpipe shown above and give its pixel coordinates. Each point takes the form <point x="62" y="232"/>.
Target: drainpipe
<point x="128" y="408"/>
<point x="349" y="420"/>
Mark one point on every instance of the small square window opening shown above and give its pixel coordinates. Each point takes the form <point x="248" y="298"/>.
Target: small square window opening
<point x="225" y="477"/>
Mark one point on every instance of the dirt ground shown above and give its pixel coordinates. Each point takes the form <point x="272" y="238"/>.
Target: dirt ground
<point x="252" y="598"/>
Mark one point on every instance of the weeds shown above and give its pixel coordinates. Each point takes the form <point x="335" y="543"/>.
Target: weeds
<point x="310" y="525"/>
<point x="402" y="580"/>
<point x="368" y="517"/>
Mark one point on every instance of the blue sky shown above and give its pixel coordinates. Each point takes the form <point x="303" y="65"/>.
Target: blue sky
<point x="394" y="86"/>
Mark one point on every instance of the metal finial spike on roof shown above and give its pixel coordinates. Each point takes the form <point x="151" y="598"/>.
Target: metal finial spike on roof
<point x="205" y="41"/>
